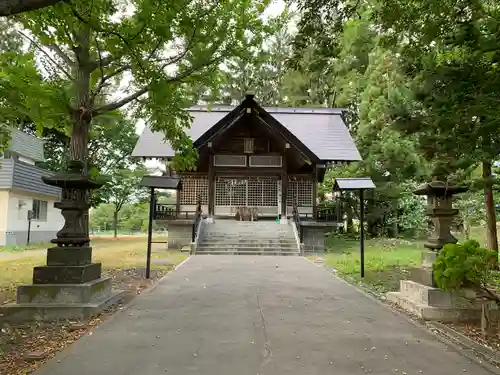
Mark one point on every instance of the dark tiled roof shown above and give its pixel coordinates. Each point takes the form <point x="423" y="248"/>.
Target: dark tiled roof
<point x="354" y="183"/>
<point x="322" y="130"/>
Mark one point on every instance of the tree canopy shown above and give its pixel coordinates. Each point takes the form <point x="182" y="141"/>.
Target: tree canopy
<point x="98" y="56"/>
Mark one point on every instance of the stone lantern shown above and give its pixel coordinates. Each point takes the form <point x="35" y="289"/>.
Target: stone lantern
<point x="70" y="285"/>
<point x="419" y="293"/>
<point x="440" y="210"/>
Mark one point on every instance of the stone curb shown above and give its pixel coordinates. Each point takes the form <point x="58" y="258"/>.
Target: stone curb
<point x="448" y="336"/>
<point x="161" y="279"/>
<point x="488" y="354"/>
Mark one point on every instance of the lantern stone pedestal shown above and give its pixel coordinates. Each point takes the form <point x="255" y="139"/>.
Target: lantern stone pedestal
<point x="69" y="286"/>
<point x="419" y="295"/>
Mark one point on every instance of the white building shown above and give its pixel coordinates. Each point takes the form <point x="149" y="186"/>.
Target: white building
<point x="22" y="190"/>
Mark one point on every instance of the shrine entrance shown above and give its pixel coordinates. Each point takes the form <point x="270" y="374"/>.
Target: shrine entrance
<point x="262" y="194"/>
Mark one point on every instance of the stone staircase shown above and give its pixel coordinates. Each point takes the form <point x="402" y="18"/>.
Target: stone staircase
<point x="247" y="238"/>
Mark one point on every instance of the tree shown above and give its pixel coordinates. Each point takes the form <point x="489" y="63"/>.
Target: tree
<point x="11" y="7"/>
<point x="160" y="48"/>
<point x="452" y="60"/>
<point x="353" y="70"/>
<point x="122" y="187"/>
<point x="261" y="71"/>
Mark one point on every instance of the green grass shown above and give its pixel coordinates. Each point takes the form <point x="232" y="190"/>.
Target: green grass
<point x="95" y="241"/>
<point x="387" y="261"/>
<point x="113" y="254"/>
<point x="17" y="248"/>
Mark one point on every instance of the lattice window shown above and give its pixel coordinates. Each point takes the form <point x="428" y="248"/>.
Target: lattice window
<point x="243" y="192"/>
<point x="262" y="192"/>
<point x="265" y="161"/>
<point x="255" y="192"/>
<point x="230" y="160"/>
<point x="270" y="193"/>
<point x="300" y="191"/>
<point x="192" y="187"/>
<point x="230" y="192"/>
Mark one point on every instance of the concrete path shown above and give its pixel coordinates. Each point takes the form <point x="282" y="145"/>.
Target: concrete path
<point x="237" y="315"/>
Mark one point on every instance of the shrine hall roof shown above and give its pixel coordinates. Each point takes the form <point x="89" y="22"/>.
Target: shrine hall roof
<point x="321" y="130"/>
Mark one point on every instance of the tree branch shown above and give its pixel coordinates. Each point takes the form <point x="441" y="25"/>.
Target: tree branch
<point x="59" y="52"/>
<point x="105" y="78"/>
<point x="11" y="7"/>
<point x="38" y="47"/>
<point x="112" y="106"/>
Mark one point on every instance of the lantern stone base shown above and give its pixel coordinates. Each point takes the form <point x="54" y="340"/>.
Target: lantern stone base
<point x="431" y="303"/>
<point x="66" y="274"/>
<point x="49" y="302"/>
<point x="424" y="274"/>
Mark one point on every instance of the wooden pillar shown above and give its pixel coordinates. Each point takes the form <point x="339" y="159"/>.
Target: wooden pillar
<point x="177" y="203"/>
<point x="211" y="185"/>
<point x="284" y="185"/>
<point x="315" y="190"/>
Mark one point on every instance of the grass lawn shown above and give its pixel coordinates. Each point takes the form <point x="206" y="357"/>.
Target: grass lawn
<point x="18" y="248"/>
<point x="115" y="256"/>
<point x="386" y="260"/>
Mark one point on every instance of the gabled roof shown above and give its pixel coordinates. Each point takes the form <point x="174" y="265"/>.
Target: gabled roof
<point x="320" y="130"/>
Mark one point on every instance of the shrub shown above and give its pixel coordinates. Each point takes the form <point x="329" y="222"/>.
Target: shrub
<point x="465" y="265"/>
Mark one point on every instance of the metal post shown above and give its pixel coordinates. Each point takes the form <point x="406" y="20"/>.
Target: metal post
<point x="29" y="232"/>
<point x="30" y="217"/>
<point x="362" y="231"/>
<point x="150" y="231"/>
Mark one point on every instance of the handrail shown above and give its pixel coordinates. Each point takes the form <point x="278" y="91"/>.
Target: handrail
<point x="296" y="220"/>
<point x="196" y="222"/>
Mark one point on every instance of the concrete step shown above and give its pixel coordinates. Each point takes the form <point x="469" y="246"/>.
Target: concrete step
<point x="255" y="239"/>
<point x="247" y="238"/>
<point x="247" y="248"/>
<point x="235" y="241"/>
<point x="252" y="233"/>
<point x="242" y="252"/>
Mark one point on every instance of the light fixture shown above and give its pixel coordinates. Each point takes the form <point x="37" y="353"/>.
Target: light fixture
<point x="249" y="110"/>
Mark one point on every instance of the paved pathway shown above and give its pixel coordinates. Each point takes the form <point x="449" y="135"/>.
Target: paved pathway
<point x="237" y="315"/>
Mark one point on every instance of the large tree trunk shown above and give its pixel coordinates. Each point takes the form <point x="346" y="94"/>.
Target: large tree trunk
<point x="115" y="224"/>
<point x="81" y="107"/>
<point x="491" y="217"/>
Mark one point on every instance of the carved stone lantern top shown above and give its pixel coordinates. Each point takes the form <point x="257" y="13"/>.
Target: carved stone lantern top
<point x="439" y="189"/>
<point x="74" y="204"/>
<point x="72" y="178"/>
<point x="440" y="210"/>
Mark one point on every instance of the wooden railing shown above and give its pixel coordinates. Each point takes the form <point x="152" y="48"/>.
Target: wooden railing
<point x="323" y="214"/>
<point x="169" y="212"/>
<point x="327" y="214"/>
